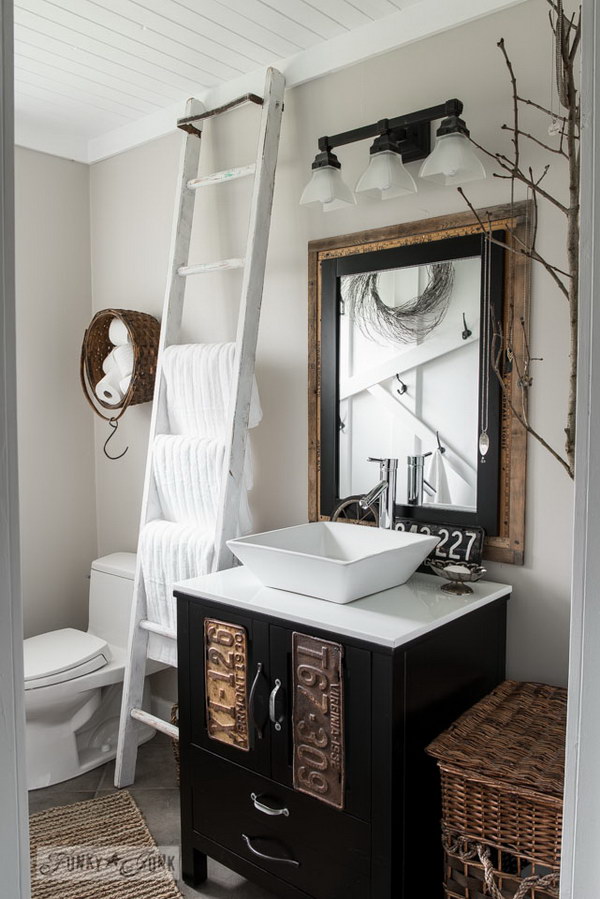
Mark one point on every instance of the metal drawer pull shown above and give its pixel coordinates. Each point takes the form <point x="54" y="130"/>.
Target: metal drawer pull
<point x="269" y="858"/>
<point x="272" y="698"/>
<point x="267" y="809"/>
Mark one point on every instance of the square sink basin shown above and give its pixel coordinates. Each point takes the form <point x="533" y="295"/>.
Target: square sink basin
<point x="335" y="561"/>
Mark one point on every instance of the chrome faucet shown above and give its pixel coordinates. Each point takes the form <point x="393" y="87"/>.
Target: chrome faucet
<point x="415" y="468"/>
<point x="384" y="492"/>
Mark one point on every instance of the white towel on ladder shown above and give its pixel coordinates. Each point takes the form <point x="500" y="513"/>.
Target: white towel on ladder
<point x="198" y="378"/>
<point x="170" y="552"/>
<point x="188" y="473"/>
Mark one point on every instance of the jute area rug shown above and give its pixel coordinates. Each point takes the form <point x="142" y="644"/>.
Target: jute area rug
<point x="98" y="849"/>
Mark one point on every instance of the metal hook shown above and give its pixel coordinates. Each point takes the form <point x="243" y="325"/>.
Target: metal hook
<point x="403" y="387"/>
<point x="466" y="333"/>
<point x="113" y="422"/>
<point x="441" y="448"/>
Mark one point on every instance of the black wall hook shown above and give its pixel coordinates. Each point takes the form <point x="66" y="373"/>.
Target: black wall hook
<point x="466" y="332"/>
<point x="403" y="387"/>
<point x="114" y="425"/>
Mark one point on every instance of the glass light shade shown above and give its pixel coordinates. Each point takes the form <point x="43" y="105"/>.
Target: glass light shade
<point x="453" y="161"/>
<point x="385" y="177"/>
<point x="327" y="188"/>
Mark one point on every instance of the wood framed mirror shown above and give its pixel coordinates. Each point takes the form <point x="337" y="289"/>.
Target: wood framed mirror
<point x="400" y="363"/>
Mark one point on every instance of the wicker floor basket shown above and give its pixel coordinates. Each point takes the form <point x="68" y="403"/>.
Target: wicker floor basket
<point x="502" y="770"/>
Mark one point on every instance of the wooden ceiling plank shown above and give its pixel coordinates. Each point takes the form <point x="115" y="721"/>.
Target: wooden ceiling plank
<point x="346" y="14"/>
<point x="72" y="95"/>
<point x="54" y="48"/>
<point x="303" y="13"/>
<point x="196" y="47"/>
<point x="377" y="9"/>
<point x="237" y="23"/>
<point x="141" y="89"/>
<point x="270" y="18"/>
<point x="144" y="45"/>
<point x="189" y="23"/>
<point x="74" y="113"/>
<point x="55" y="75"/>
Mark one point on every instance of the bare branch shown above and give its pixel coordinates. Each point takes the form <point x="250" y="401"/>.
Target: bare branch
<point x="529" y="252"/>
<point x="553" y="115"/>
<point x="540" y="143"/>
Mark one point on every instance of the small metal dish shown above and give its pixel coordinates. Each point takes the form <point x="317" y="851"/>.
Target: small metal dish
<point x="457" y="574"/>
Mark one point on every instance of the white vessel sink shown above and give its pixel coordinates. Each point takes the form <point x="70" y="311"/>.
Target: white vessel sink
<point x="332" y="560"/>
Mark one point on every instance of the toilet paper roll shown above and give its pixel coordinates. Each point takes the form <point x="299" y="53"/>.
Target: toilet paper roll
<point x="124" y="359"/>
<point x="124" y="384"/>
<point x="118" y="333"/>
<point x="107" y="389"/>
<point x="109" y="362"/>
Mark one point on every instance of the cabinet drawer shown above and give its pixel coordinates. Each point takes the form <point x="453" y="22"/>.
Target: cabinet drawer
<point x="316" y="848"/>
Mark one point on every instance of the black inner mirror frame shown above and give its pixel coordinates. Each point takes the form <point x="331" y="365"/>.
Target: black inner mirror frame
<point x="332" y="271"/>
<point x="500" y="506"/>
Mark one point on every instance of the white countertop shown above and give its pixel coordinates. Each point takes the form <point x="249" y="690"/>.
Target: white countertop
<point x="390" y="618"/>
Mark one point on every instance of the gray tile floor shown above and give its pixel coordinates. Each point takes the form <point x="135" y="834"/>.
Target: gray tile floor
<point x="156" y="793"/>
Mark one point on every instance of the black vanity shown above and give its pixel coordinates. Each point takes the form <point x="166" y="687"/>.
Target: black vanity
<point x="362" y="821"/>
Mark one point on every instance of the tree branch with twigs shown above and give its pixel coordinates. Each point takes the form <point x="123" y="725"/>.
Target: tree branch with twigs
<point x="566" y="127"/>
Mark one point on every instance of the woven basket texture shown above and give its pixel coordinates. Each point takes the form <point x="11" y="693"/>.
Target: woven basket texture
<point x="175" y="743"/>
<point x="502" y="769"/>
<point x="144" y="334"/>
<point x="465" y="879"/>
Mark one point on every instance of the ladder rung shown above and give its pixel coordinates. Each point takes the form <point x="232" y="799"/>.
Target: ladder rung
<point x="204" y="267"/>
<point x="157" y="629"/>
<point x="157" y="723"/>
<point x="242" y="171"/>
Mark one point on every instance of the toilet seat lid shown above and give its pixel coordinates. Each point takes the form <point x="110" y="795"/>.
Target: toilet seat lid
<point x="60" y="652"/>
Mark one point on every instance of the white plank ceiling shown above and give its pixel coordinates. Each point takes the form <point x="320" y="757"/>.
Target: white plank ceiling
<point x="91" y="74"/>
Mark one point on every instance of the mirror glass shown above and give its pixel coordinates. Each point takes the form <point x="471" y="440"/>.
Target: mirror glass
<point x="409" y="377"/>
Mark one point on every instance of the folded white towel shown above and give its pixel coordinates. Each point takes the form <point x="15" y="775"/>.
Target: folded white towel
<point x="198" y="380"/>
<point x="170" y="552"/>
<point x="188" y="473"/>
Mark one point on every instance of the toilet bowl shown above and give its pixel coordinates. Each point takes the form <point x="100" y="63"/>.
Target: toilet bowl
<point x="73" y="682"/>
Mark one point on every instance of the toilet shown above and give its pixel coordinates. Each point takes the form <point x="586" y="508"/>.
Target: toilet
<point x="73" y="682"/>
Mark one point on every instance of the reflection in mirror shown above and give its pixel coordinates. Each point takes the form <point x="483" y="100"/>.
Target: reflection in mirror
<point x="409" y="377"/>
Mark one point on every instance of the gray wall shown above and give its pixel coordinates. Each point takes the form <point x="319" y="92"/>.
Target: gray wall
<point x="131" y="206"/>
<point x="56" y="442"/>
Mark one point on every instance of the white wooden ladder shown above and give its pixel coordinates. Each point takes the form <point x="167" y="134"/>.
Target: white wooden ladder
<point x="242" y="381"/>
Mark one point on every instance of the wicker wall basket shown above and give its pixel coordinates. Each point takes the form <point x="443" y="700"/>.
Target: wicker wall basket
<point x="144" y="333"/>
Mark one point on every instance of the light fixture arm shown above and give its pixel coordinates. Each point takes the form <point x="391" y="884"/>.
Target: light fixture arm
<point x="411" y="132"/>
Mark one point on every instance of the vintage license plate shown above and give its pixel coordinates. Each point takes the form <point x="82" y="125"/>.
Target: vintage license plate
<point x="318" y="718"/>
<point x="226" y="680"/>
<point x="457" y="544"/>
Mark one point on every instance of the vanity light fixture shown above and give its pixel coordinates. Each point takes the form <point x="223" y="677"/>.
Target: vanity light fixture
<point x="326" y="186"/>
<point x="403" y="139"/>
<point x="453" y="160"/>
<point x="385" y="177"/>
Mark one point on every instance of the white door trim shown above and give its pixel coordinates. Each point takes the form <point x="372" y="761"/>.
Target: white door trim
<point x="581" y="830"/>
<point x="14" y="841"/>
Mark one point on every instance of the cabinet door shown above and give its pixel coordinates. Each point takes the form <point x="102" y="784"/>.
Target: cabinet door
<point x="229" y="685"/>
<point x="355" y="714"/>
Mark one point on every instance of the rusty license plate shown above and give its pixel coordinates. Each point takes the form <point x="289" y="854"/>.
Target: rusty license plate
<point x="318" y="718"/>
<point x="226" y="670"/>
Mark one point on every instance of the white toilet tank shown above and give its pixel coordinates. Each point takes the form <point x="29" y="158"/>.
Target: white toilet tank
<point x="111" y="596"/>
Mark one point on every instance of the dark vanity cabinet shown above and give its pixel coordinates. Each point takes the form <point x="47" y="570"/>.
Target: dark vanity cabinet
<point x="239" y="803"/>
